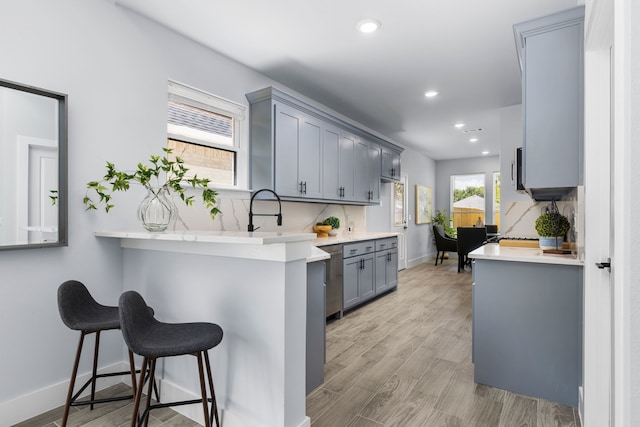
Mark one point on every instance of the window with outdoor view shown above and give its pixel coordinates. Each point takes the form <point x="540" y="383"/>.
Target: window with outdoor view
<point x="496" y="199"/>
<point x="467" y="200"/>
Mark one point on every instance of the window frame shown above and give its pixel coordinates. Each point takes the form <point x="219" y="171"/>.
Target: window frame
<point x="191" y="96"/>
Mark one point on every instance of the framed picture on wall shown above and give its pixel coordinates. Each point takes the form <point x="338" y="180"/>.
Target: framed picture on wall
<point x="424" y="204"/>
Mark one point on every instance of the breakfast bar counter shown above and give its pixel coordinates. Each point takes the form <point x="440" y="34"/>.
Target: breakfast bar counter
<point x="253" y="286"/>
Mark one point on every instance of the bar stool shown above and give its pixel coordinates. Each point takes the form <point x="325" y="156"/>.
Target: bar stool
<point x="151" y="339"/>
<point x="80" y="312"/>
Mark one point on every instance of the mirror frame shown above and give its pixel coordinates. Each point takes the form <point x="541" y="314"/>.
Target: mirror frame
<point x="62" y="201"/>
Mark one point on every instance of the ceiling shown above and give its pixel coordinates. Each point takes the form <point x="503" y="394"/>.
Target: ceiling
<point x="463" y="49"/>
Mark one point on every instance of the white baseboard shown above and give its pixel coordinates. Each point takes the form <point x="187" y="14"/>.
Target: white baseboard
<point x="50" y="397"/>
<point x="170" y="392"/>
<point x="417" y="261"/>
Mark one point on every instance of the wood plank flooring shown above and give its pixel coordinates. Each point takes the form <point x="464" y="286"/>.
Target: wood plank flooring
<point x="405" y="360"/>
<point x="401" y="360"/>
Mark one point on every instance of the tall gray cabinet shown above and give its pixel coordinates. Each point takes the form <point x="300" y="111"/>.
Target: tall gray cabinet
<point x="551" y="54"/>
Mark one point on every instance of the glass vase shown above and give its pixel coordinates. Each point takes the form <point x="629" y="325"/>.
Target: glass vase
<point x="157" y="210"/>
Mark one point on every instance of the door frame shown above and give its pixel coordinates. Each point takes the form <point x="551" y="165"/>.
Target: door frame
<point x="401" y="230"/>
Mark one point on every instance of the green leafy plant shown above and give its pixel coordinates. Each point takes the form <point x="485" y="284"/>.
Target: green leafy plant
<point x="442" y="217"/>
<point x="150" y="176"/>
<point x="552" y="224"/>
<point x="333" y="221"/>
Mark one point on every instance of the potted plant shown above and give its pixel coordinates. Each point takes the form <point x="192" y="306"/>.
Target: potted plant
<point x="334" y="222"/>
<point x="551" y="227"/>
<point x="442" y="217"/>
<point x="157" y="209"/>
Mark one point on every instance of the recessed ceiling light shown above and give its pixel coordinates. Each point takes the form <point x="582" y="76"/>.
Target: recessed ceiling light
<point x="458" y="125"/>
<point x="485" y="152"/>
<point x="473" y="140"/>
<point x="368" y="25"/>
<point x="431" y="93"/>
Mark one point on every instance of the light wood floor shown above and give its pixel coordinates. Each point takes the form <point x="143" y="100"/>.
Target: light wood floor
<point x="401" y="360"/>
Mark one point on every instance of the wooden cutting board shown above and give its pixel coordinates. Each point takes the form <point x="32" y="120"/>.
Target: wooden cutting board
<point x="527" y="243"/>
<point x="520" y="243"/>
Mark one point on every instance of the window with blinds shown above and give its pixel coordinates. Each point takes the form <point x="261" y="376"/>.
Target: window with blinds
<point x="203" y="130"/>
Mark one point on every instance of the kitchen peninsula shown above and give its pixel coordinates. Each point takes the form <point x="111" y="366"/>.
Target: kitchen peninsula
<point x="527" y="322"/>
<point x="253" y="286"/>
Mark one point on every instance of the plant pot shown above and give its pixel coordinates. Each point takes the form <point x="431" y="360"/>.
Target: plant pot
<point x="333" y="232"/>
<point x="322" y="231"/>
<point x="157" y="210"/>
<point x="550" y="242"/>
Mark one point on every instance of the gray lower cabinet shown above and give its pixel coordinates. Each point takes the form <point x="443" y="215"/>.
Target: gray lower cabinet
<point x="369" y="269"/>
<point x="386" y="264"/>
<point x="551" y="51"/>
<point x="527" y="328"/>
<point x="316" y="322"/>
<point x="358" y="273"/>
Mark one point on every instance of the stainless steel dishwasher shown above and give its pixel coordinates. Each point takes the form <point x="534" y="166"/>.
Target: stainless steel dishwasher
<point x="334" y="281"/>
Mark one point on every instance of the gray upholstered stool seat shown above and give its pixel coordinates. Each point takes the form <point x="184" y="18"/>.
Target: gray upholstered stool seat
<point x="152" y="339"/>
<point x="80" y="312"/>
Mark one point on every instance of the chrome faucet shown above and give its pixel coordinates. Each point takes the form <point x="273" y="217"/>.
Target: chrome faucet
<point x="251" y="214"/>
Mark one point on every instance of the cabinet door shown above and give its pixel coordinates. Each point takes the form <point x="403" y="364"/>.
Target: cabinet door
<point x="346" y="174"/>
<point x="382" y="259"/>
<point x="390" y="165"/>
<point x="392" y="269"/>
<point x="351" y="270"/>
<point x="374" y="173"/>
<point x="361" y="168"/>
<point x="330" y="164"/>
<point x="310" y="157"/>
<point x="367" y="282"/>
<point x="552" y="103"/>
<point x="287" y="135"/>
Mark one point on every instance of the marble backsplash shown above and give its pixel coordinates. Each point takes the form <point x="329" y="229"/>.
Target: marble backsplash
<point x="296" y="216"/>
<point x="519" y="218"/>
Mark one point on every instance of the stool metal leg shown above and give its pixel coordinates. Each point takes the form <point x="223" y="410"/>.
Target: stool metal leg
<point x="203" y="391"/>
<point x="72" y="381"/>
<point x="132" y="367"/>
<point x="214" y="403"/>
<point x="94" y="371"/>
<point x="138" y="393"/>
<point x="152" y="378"/>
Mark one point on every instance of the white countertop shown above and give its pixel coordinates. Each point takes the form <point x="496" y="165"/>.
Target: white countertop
<point x="495" y="252"/>
<point x="239" y="237"/>
<point x="317" y="254"/>
<point x="349" y="238"/>
<point x="266" y="246"/>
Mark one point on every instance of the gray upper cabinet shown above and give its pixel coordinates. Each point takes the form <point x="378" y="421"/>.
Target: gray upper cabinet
<point x="304" y="153"/>
<point x="551" y="53"/>
<point x="298" y="154"/>
<point x="367" y="172"/>
<point x="390" y="165"/>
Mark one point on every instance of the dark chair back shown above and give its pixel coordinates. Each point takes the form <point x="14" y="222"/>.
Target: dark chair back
<point x="444" y="242"/>
<point x="492" y="228"/>
<point x="470" y="238"/>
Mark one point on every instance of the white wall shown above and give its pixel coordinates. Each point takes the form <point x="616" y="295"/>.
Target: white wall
<point x="114" y="67"/>
<point x="419" y="169"/>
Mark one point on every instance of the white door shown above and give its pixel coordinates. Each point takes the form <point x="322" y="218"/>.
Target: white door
<point x="605" y="365"/>
<point x="399" y="218"/>
<point x="37" y="167"/>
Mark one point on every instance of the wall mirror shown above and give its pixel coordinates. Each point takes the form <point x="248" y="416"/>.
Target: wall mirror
<point x="33" y="167"/>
